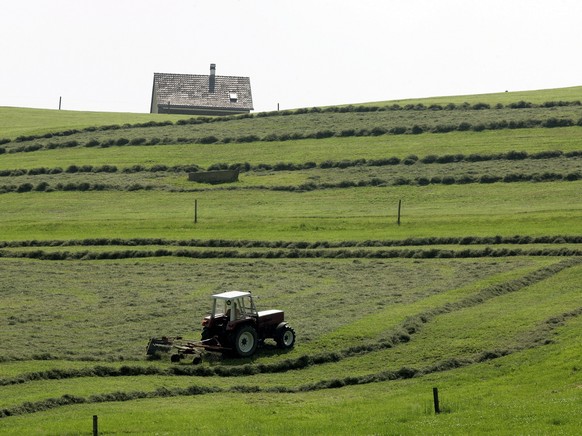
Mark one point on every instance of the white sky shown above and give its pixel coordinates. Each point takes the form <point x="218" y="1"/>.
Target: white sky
<point x="100" y="55"/>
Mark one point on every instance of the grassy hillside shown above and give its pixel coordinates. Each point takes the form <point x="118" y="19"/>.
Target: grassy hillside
<point x="15" y="121"/>
<point x="367" y="213"/>
<point x="476" y="291"/>
<point x="536" y="96"/>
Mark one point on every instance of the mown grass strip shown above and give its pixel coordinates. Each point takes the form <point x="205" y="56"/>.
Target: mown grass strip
<point x="401" y="334"/>
<point x="346" y="214"/>
<point x="466" y="179"/>
<point x="325" y="126"/>
<point x="413" y="324"/>
<point x="375" y="149"/>
<point x="431" y="159"/>
<point x="540" y="337"/>
<point x="49" y="121"/>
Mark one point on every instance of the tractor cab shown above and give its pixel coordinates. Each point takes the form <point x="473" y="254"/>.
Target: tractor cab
<point x="231" y="307"/>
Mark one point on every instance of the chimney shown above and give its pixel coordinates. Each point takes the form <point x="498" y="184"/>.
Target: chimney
<point x="212" y="78"/>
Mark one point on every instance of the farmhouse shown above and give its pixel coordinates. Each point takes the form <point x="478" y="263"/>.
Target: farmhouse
<point x="195" y="94"/>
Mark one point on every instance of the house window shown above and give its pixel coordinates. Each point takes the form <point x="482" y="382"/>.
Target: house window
<point x="233" y="96"/>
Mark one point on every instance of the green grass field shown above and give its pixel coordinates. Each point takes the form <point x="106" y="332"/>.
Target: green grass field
<point x="537" y="96"/>
<point x="476" y="291"/>
<point x="335" y="214"/>
<point x="15" y="122"/>
<point x="488" y="142"/>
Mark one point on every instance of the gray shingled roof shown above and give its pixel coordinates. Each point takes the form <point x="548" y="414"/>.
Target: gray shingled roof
<point x="231" y="93"/>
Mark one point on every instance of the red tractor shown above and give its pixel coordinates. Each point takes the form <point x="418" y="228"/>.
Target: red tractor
<point x="234" y="325"/>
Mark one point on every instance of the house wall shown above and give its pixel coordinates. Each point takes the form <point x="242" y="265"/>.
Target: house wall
<point x="193" y="110"/>
<point x="154" y="104"/>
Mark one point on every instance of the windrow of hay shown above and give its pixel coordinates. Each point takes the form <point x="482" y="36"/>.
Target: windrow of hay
<point x="291" y="166"/>
<point x="401" y="334"/>
<point x="514" y="177"/>
<point x="299" y="245"/>
<point x="541" y="336"/>
<point x="549" y="119"/>
<point x="432" y="253"/>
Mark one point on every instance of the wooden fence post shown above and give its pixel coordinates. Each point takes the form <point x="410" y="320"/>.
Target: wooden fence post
<point x="435" y="395"/>
<point x="195" y="211"/>
<point x="95" y="425"/>
<point x="399" y="207"/>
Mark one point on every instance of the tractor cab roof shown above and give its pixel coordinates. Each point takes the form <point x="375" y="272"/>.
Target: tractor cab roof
<point x="231" y="295"/>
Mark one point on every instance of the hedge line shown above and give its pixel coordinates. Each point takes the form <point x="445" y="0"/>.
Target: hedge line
<point x="301" y="245"/>
<point x="272" y="137"/>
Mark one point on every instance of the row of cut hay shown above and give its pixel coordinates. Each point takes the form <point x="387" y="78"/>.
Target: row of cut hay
<point x="294" y="136"/>
<point x="301" y="245"/>
<point x="304" y="187"/>
<point x="432" y="253"/>
<point x="332" y="109"/>
<point x="290" y="166"/>
<point x="402" y="373"/>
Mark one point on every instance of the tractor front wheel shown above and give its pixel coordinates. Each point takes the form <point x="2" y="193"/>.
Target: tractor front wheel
<point x="245" y="341"/>
<point x="285" y="337"/>
<point x="206" y="333"/>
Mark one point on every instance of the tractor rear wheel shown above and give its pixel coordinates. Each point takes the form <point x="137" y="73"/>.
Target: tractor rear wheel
<point x="245" y="341"/>
<point x="285" y="337"/>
